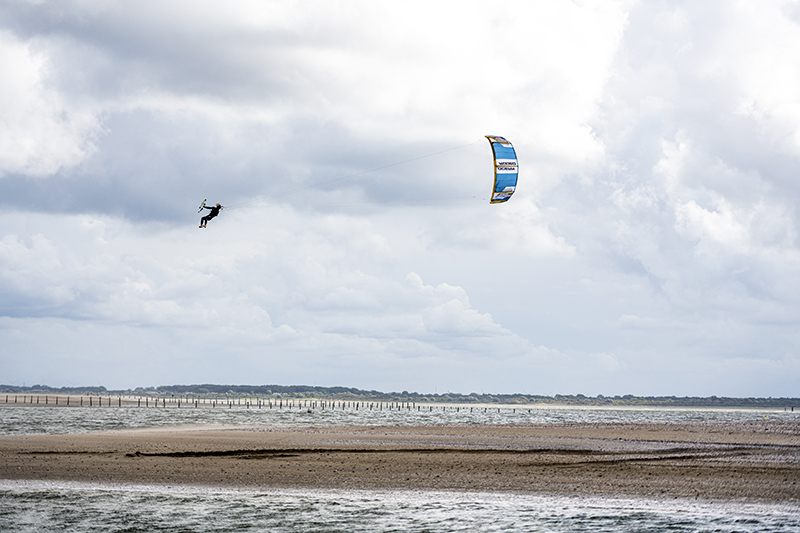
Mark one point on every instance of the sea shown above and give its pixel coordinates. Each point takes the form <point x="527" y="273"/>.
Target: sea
<point x="38" y="506"/>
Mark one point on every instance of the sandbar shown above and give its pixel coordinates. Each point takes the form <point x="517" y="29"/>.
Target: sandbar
<point x="756" y="461"/>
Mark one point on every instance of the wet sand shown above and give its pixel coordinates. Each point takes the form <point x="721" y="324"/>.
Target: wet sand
<point x="750" y="462"/>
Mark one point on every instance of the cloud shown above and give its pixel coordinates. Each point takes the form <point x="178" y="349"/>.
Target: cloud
<point x="289" y="291"/>
<point x="652" y="243"/>
<point x="42" y="132"/>
<point x="299" y="96"/>
<point x="698" y="191"/>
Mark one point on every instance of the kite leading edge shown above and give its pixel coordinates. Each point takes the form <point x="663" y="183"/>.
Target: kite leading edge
<point x="506" y="169"/>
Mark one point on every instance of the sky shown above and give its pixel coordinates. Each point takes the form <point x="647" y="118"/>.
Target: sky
<point x="651" y="247"/>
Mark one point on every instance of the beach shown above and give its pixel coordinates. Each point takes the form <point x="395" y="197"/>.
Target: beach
<point x="753" y="461"/>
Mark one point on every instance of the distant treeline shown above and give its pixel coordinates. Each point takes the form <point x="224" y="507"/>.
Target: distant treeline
<point x="353" y="394"/>
<point x="44" y="389"/>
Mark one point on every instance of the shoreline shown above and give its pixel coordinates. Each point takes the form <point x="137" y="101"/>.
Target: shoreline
<point x="757" y="462"/>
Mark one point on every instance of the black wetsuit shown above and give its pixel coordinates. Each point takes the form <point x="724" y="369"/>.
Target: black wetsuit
<point x="214" y="212"/>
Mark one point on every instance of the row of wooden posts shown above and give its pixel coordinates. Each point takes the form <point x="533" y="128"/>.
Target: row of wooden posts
<point x="107" y="401"/>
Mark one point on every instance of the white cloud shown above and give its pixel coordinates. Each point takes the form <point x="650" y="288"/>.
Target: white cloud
<point x="757" y="51"/>
<point x="41" y="132"/>
<point x="652" y="242"/>
<point x="383" y="72"/>
<point x="110" y="272"/>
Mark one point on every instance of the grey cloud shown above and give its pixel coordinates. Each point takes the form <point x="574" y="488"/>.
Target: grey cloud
<point x="121" y="49"/>
<point x="652" y="242"/>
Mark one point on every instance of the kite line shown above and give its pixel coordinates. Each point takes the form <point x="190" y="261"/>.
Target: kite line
<point x="320" y="183"/>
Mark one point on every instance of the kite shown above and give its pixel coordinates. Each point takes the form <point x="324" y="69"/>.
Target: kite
<point x="506" y="169"/>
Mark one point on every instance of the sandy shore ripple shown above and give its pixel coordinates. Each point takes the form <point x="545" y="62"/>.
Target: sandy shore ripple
<point x="754" y="461"/>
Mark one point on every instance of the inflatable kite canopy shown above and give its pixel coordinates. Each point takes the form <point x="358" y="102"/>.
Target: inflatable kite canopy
<point x="506" y="169"/>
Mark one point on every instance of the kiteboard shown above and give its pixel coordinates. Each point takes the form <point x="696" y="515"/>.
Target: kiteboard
<point x="202" y="205"/>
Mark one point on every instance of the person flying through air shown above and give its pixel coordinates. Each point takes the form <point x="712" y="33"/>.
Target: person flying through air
<point x="214" y="212"/>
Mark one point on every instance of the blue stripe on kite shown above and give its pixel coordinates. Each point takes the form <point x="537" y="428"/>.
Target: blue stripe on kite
<point x="505" y="180"/>
<point x="503" y="152"/>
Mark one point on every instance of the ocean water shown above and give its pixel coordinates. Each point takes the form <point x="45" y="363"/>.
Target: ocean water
<point x="38" y="506"/>
<point x="27" y="420"/>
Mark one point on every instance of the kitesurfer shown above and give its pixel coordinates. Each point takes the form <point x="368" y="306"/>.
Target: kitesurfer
<point x="214" y="212"/>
